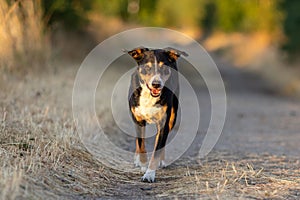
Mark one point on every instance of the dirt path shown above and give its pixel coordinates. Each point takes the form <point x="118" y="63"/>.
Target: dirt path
<point x="256" y="157"/>
<point x="258" y="119"/>
<point x="261" y="133"/>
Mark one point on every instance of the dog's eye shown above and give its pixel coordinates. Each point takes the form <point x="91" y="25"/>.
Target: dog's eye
<point x="147" y="67"/>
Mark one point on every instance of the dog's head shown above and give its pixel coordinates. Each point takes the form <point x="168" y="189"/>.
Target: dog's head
<point x="155" y="66"/>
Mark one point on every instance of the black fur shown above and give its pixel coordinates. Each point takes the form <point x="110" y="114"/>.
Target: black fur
<point x="168" y="94"/>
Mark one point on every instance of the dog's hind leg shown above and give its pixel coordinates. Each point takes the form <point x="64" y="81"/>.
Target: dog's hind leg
<point x="140" y="158"/>
<point x="162" y="163"/>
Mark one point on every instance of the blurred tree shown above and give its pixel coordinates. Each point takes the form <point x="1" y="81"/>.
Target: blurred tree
<point x="178" y="14"/>
<point x="72" y="13"/>
<point x="147" y="10"/>
<point x="229" y="15"/>
<point x="153" y="12"/>
<point x="117" y="8"/>
<point x="241" y="16"/>
<point x="214" y="15"/>
<point x="209" y="19"/>
<point x="291" y="26"/>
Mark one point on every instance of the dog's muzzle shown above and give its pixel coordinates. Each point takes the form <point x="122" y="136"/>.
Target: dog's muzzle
<point x="155" y="87"/>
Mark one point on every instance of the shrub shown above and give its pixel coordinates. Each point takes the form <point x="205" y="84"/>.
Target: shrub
<point x="22" y="35"/>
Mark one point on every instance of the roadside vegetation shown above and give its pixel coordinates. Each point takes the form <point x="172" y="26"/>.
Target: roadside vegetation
<point x="41" y="155"/>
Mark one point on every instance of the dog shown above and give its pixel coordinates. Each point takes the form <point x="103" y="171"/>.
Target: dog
<point x="153" y="99"/>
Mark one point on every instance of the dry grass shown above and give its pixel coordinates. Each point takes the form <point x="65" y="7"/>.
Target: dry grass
<point x="22" y="34"/>
<point x="41" y="154"/>
<point x="246" y="176"/>
<point x="42" y="157"/>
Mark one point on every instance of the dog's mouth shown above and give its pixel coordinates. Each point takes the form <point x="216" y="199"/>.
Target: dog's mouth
<point x="155" y="92"/>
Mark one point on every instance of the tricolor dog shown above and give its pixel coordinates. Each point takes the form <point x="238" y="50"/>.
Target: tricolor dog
<point x="153" y="99"/>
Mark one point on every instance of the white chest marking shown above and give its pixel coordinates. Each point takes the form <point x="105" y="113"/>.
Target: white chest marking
<point x="147" y="108"/>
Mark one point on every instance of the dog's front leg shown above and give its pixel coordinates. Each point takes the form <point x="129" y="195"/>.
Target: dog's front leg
<point x="140" y="158"/>
<point x="158" y="153"/>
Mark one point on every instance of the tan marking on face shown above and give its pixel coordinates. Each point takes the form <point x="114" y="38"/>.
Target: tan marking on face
<point x="160" y="63"/>
<point x="149" y="64"/>
<point x="145" y="76"/>
<point x="172" y="118"/>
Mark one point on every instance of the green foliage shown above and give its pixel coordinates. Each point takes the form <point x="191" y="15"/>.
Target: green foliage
<point x="178" y="13"/>
<point x="237" y="15"/>
<point x="147" y="10"/>
<point x="72" y="13"/>
<point x="229" y="15"/>
<point x="210" y="15"/>
<point x="155" y="13"/>
<point x="291" y="26"/>
<point x="209" y="19"/>
<point x="116" y="8"/>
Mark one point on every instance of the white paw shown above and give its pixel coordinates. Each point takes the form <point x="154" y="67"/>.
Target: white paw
<point x="137" y="161"/>
<point x="162" y="164"/>
<point x="149" y="176"/>
<point x="143" y="168"/>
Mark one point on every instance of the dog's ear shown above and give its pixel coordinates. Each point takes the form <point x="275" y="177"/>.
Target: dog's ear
<point x="174" y="54"/>
<point x="137" y="53"/>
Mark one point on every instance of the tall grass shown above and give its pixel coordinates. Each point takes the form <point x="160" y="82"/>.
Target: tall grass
<point x="22" y="34"/>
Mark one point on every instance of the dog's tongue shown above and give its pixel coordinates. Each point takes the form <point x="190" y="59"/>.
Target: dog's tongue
<point x="155" y="91"/>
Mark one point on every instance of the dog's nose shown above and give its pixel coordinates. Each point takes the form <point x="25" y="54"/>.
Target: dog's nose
<point x="156" y="84"/>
